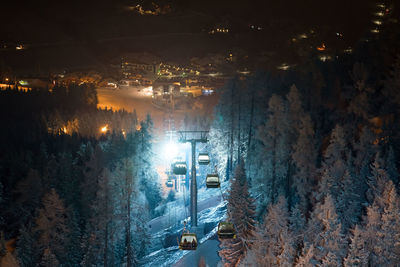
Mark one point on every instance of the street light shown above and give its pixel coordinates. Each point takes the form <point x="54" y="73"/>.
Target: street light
<point x="170" y="150"/>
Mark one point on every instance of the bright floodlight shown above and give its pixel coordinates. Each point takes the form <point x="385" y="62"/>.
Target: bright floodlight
<point x="170" y="150"/>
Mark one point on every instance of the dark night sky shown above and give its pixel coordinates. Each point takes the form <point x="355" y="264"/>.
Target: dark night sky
<point x="101" y="28"/>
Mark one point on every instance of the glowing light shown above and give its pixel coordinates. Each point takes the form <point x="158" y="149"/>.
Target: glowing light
<point x="283" y="66"/>
<point x="104" y="129"/>
<point x="19" y="47"/>
<point x="348" y="50"/>
<point x="377" y="22"/>
<point x="321" y="48"/>
<point x="375" y="30"/>
<point x="325" y="58"/>
<point x="21" y="82"/>
<point x="380" y="14"/>
<point x="170" y="150"/>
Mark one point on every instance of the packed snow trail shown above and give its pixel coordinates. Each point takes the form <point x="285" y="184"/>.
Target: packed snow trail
<point x="212" y="210"/>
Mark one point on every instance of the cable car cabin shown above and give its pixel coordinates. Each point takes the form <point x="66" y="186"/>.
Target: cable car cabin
<point x="169" y="183"/>
<point x="204" y="159"/>
<point x="226" y="230"/>
<point x="212" y="181"/>
<point x="188" y="241"/>
<point x="179" y="168"/>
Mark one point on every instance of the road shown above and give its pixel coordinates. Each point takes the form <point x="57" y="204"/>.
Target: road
<point x="208" y="250"/>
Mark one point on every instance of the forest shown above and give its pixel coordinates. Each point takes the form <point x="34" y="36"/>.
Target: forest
<point x="73" y="194"/>
<point x="313" y="161"/>
<point x="311" y="156"/>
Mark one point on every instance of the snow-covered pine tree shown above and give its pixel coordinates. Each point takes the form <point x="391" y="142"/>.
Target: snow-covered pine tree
<point x="333" y="165"/>
<point x="324" y="231"/>
<point x="357" y="255"/>
<point x="348" y="202"/>
<point x="370" y="234"/>
<point x="241" y="212"/>
<point x="390" y="228"/>
<point x="97" y="238"/>
<point x="338" y="181"/>
<point x="306" y="259"/>
<point x="276" y="245"/>
<point x="297" y="223"/>
<point x="125" y="184"/>
<point x="51" y="225"/>
<point x="377" y="181"/>
<point x="274" y="136"/>
<point x="304" y="157"/>
<point x="148" y="178"/>
<point x="365" y="150"/>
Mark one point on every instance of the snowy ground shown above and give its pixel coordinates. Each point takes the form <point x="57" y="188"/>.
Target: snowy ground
<point x="207" y="217"/>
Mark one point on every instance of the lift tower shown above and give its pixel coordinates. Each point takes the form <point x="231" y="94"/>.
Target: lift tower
<point x="193" y="137"/>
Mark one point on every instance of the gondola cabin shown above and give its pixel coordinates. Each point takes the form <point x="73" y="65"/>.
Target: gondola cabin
<point x="188" y="241"/>
<point x="212" y="181"/>
<point x="204" y="159"/>
<point x="179" y="168"/>
<point x="226" y="230"/>
<point x="169" y="183"/>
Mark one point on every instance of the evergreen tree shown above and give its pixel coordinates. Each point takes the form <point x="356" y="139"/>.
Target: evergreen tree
<point x="276" y="244"/>
<point x="390" y="254"/>
<point x="274" y="137"/>
<point x="306" y="259"/>
<point x="333" y="166"/>
<point x="324" y="231"/>
<point x="348" y="202"/>
<point x="304" y="157"/>
<point x="377" y="181"/>
<point x="370" y="234"/>
<point x="148" y="182"/>
<point x="357" y="254"/>
<point x="241" y="212"/>
<point x="127" y="182"/>
<point x="364" y="154"/>
<point x="297" y="223"/>
<point x="52" y="225"/>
